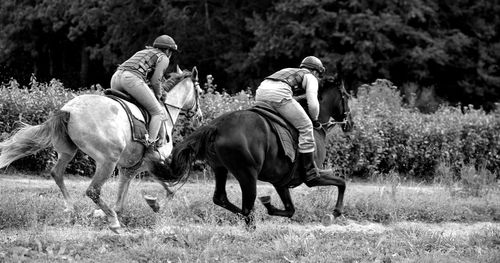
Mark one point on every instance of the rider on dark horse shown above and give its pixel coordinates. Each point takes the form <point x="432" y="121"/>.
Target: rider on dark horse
<point x="278" y="90"/>
<point x="133" y="76"/>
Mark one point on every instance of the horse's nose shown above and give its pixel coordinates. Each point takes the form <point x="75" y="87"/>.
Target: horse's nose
<point x="198" y="119"/>
<point x="348" y="126"/>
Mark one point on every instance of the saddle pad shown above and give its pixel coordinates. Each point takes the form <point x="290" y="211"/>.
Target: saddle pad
<point x="143" y="114"/>
<point x="137" y="119"/>
<point x="287" y="134"/>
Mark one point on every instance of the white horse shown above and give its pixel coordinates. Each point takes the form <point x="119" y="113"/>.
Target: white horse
<point x="99" y="126"/>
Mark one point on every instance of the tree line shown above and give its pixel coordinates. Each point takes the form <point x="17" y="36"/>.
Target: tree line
<point x="448" y="47"/>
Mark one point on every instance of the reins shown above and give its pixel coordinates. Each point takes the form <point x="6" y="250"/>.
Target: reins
<point x="194" y="109"/>
<point x="344" y="101"/>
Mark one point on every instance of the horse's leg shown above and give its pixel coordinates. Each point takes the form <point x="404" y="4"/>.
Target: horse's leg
<point x="57" y="172"/>
<point x="125" y="177"/>
<point x="170" y="193"/>
<point x="103" y="171"/>
<point x="248" y="184"/>
<point x="329" y="179"/>
<point x="284" y="194"/>
<point x="220" y="195"/>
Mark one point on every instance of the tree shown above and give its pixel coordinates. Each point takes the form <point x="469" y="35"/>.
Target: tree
<point x="452" y="46"/>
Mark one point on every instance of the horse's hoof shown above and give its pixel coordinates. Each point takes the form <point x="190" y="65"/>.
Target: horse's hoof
<point x="115" y="229"/>
<point x="152" y="202"/>
<point x="336" y="213"/>
<point x="69" y="210"/>
<point x="327" y="220"/>
<point x="250" y="226"/>
<point x="98" y="213"/>
<point x="265" y="199"/>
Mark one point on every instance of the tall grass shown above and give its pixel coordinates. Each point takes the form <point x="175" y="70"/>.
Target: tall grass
<point x="39" y="203"/>
<point x="190" y="228"/>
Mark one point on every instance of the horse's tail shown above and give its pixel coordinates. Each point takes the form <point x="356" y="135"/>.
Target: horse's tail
<point x="194" y="147"/>
<point x="28" y="139"/>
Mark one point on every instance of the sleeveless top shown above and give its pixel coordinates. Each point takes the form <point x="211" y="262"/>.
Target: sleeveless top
<point x="291" y="76"/>
<point x="143" y="62"/>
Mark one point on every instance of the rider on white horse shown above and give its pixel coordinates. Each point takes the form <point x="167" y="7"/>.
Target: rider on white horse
<point x="133" y="76"/>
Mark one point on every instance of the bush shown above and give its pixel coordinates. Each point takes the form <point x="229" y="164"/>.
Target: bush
<point x="390" y="137"/>
<point x="33" y="105"/>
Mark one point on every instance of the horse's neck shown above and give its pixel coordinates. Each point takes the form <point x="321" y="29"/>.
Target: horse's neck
<point x="172" y="116"/>
<point x="175" y="100"/>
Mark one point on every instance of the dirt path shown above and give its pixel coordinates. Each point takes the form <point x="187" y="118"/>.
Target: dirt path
<point x="445" y="229"/>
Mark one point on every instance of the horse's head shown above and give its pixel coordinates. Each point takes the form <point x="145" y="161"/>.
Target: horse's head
<point x="183" y="92"/>
<point x="333" y="99"/>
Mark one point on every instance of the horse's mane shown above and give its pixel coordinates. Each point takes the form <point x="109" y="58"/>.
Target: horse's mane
<point x="329" y="81"/>
<point x="174" y="78"/>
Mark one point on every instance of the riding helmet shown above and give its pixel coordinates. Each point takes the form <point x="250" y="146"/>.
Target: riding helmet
<point x="312" y="62"/>
<point x="165" y="42"/>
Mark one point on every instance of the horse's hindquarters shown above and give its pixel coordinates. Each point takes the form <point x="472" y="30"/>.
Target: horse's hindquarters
<point x="100" y="127"/>
<point x="245" y="143"/>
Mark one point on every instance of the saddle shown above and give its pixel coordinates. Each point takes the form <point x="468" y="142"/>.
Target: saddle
<point x="138" y="119"/>
<point x="287" y="136"/>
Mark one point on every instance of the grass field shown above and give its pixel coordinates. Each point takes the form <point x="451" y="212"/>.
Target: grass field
<point x="384" y="222"/>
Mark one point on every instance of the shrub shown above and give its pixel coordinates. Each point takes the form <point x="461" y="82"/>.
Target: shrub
<point x="390" y="137"/>
<point x="33" y="105"/>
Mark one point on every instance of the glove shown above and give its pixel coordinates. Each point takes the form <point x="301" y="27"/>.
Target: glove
<point x="316" y="124"/>
<point x="163" y="96"/>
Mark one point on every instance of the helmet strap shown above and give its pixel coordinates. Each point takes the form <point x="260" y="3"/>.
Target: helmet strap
<point x="167" y="52"/>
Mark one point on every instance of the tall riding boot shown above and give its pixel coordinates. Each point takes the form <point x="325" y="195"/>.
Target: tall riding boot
<point x="154" y="127"/>
<point x="311" y="172"/>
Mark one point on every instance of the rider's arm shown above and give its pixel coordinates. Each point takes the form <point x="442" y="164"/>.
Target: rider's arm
<point x="161" y="66"/>
<point x="310" y="83"/>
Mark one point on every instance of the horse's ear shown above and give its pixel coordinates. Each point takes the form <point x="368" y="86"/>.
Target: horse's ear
<point x="195" y="72"/>
<point x="179" y="71"/>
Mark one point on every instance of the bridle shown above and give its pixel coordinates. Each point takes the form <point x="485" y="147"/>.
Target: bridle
<point x="347" y="113"/>
<point x="191" y="112"/>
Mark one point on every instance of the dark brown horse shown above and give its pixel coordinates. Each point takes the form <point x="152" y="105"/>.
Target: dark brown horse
<point x="243" y="143"/>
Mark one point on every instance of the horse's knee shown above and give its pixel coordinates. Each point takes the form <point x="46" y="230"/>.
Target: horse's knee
<point x="93" y="193"/>
<point x="220" y="198"/>
<point x="220" y="201"/>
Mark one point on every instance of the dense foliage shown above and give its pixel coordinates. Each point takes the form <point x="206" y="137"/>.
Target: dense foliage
<point x="392" y="138"/>
<point x="389" y="138"/>
<point x="445" y="48"/>
<point x="34" y="105"/>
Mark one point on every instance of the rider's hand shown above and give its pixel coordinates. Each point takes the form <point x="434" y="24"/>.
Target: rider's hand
<point x="163" y="96"/>
<point x="316" y="124"/>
